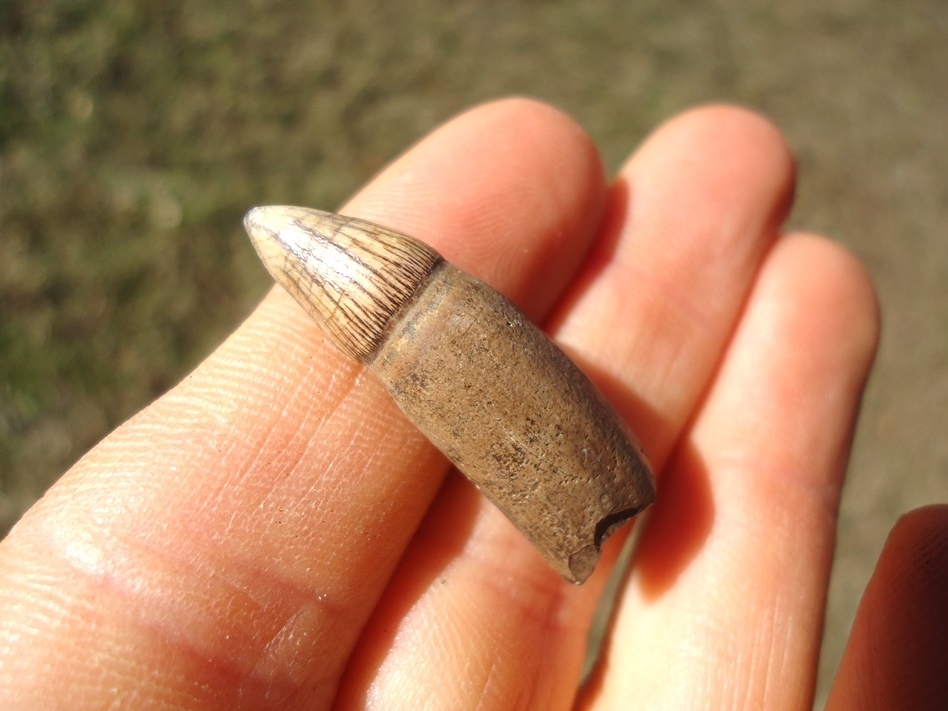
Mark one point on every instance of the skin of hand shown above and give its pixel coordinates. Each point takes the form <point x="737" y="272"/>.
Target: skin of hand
<point x="273" y="533"/>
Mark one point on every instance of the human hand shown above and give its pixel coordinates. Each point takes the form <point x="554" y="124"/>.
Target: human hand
<point x="273" y="533"/>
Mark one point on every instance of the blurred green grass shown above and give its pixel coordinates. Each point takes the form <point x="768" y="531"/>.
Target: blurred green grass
<point x="134" y="136"/>
<point x="133" y="139"/>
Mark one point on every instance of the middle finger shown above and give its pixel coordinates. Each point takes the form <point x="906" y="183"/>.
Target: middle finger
<point x="692" y="217"/>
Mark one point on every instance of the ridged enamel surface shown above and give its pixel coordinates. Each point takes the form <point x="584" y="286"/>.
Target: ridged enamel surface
<point x="351" y="276"/>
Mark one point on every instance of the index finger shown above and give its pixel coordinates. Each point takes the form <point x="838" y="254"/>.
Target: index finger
<point x="228" y="543"/>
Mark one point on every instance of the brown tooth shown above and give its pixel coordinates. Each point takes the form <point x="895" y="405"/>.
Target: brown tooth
<point x="484" y="384"/>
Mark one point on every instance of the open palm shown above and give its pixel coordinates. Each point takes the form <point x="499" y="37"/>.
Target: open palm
<point x="273" y="533"/>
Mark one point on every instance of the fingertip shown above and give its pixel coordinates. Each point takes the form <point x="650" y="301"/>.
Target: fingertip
<point x="726" y="141"/>
<point x="730" y="123"/>
<point x="511" y="191"/>
<point x="923" y="528"/>
<point x="914" y="564"/>
<point x="837" y="280"/>
<point x="896" y="652"/>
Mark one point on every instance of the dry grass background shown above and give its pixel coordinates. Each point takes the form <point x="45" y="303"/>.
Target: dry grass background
<point x="133" y="136"/>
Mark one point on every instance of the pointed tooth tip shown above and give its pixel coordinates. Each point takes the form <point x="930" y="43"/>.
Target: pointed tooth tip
<point x="261" y="216"/>
<point x="268" y="225"/>
<point x="252" y="221"/>
<point x="272" y="220"/>
<point x="266" y="228"/>
<point x="253" y="213"/>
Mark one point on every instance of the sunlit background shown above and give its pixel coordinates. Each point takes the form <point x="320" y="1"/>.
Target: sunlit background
<point x="133" y="137"/>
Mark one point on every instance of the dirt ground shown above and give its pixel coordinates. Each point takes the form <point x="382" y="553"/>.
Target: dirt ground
<point x="133" y="138"/>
